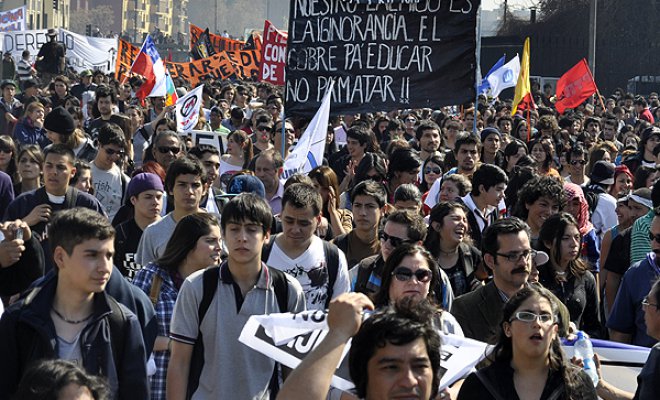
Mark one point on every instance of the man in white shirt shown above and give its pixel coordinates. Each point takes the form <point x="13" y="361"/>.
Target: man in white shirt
<point x="109" y="181"/>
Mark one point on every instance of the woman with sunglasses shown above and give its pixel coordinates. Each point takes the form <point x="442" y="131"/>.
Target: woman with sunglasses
<point x="448" y="242"/>
<point x="567" y="275"/>
<point x="528" y="362"/>
<point x="8" y="158"/>
<point x="431" y="172"/>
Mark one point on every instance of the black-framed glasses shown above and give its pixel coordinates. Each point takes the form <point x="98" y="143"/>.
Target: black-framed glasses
<point x="645" y="304"/>
<point x="112" y="152"/>
<point x="404" y="274"/>
<point x="528" y="317"/>
<point x="576" y="162"/>
<point x="653" y="237"/>
<point x="394" y="241"/>
<point x="516" y="256"/>
<point x="166" y="149"/>
<point x="436" y="170"/>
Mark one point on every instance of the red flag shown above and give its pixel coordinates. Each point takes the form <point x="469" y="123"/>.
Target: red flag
<point x="273" y="55"/>
<point x="574" y="87"/>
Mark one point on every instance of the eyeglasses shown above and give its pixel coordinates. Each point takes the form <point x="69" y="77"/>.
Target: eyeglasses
<point x="646" y="304"/>
<point x="576" y="162"/>
<point x="526" y="316"/>
<point x="404" y="274"/>
<point x="263" y="128"/>
<point x="436" y="170"/>
<point x="655" y="237"/>
<point x="516" y="256"/>
<point x="410" y="120"/>
<point x="6" y="149"/>
<point x="112" y="152"/>
<point x="286" y="130"/>
<point x="394" y="241"/>
<point x="165" y="150"/>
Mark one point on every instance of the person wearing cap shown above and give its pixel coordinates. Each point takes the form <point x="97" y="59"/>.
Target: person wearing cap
<point x="145" y="192"/>
<point x="603" y="216"/>
<point x="30" y="91"/>
<point x="24" y="68"/>
<point x="50" y="59"/>
<point x="59" y="125"/>
<point x="10" y="108"/>
<point x="8" y="66"/>
<point x="85" y="85"/>
<point x="491" y="139"/>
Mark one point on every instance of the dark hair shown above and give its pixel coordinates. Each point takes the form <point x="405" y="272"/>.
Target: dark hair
<point x="438" y="214"/>
<point x="369" y="188"/>
<point x="12" y="168"/>
<point x="537" y="187"/>
<point x="183" y="166"/>
<point x="397" y="325"/>
<point x="111" y="133"/>
<point x="575" y="151"/>
<point x="415" y="224"/>
<point x="80" y="165"/>
<point x="184" y="239"/>
<point x="71" y="227"/>
<point x="326" y="178"/>
<point x="552" y="231"/>
<point x="275" y="155"/>
<point x="403" y="160"/>
<point x="44" y="380"/>
<point x="642" y="174"/>
<point x="364" y="136"/>
<point x="487" y="175"/>
<point x="301" y="195"/>
<point x="33" y="152"/>
<point x="426" y="125"/>
<point x="512" y="148"/>
<point x="466" y="138"/>
<point x="548" y="153"/>
<point x="60" y="149"/>
<point x="408" y="192"/>
<point x="435" y="158"/>
<point x="506" y="226"/>
<point x="241" y="138"/>
<point x="369" y="161"/>
<point x="105" y="91"/>
<point x="247" y="207"/>
<point x="201" y="149"/>
<point x="503" y="351"/>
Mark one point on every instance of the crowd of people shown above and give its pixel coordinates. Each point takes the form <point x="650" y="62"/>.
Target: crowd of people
<point x="511" y="230"/>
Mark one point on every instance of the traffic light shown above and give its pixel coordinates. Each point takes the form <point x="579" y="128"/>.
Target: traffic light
<point x="88" y="29"/>
<point x="56" y="4"/>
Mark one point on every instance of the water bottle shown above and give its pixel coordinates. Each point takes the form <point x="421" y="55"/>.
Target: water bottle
<point x="584" y="350"/>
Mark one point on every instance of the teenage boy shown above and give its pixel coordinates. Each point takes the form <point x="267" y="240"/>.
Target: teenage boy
<point x="369" y="199"/>
<point x="241" y="287"/>
<point x="109" y="181"/>
<point x="318" y="265"/>
<point x="106" y="99"/>
<point x="71" y="317"/>
<point x="184" y="183"/>
<point x="145" y="192"/>
<point x="209" y="156"/>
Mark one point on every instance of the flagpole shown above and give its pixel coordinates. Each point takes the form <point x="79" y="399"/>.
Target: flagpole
<point x="600" y="97"/>
<point x="134" y="61"/>
<point x="477" y="72"/>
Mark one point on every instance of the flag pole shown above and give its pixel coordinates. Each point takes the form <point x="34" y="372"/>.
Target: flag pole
<point x="600" y="97"/>
<point x="477" y="72"/>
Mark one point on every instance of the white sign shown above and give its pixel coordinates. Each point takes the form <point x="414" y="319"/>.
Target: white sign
<point x="187" y="109"/>
<point x="82" y="52"/>
<point x="13" y="20"/>
<point x="206" y="137"/>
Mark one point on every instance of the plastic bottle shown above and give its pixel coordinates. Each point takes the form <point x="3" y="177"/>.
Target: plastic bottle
<point x="584" y="350"/>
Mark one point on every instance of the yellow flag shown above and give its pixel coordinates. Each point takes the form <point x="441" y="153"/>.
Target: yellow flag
<point x="523" y="88"/>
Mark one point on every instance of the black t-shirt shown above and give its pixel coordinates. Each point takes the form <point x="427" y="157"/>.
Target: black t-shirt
<point x="618" y="259"/>
<point x="126" y="244"/>
<point x="51" y="52"/>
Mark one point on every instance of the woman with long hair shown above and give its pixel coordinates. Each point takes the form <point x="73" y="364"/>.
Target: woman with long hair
<point x="449" y="243"/>
<point x="238" y="156"/>
<point x="513" y="152"/>
<point x="528" y="362"/>
<point x="566" y="274"/>
<point x="30" y="167"/>
<point x="325" y="181"/>
<point x="542" y="153"/>
<point x="194" y="245"/>
<point x="623" y="182"/>
<point x="372" y="166"/>
<point x="8" y="158"/>
<point x="431" y="172"/>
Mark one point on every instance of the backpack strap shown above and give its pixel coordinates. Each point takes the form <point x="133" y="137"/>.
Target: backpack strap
<point x="124" y="183"/>
<point x="156" y="284"/>
<point x="331" y="253"/>
<point x="265" y="252"/>
<point x="281" y="288"/>
<point x="209" y="286"/>
<point x="117" y="322"/>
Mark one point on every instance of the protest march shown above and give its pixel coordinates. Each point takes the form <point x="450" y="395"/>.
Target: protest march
<point x="351" y="206"/>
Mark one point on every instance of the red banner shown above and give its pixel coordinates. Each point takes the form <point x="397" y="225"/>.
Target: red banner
<point x="574" y="87"/>
<point x="273" y="55"/>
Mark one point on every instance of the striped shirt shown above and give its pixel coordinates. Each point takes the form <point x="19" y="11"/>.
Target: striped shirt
<point x="640" y="244"/>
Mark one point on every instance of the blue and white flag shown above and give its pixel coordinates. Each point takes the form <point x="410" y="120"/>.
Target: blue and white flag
<point x="308" y="153"/>
<point x="485" y="85"/>
<point x="504" y="77"/>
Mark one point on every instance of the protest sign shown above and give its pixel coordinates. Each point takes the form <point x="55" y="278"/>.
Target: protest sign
<point x="187" y="109"/>
<point x="273" y="55"/>
<point x="206" y="137"/>
<point x="82" y="52"/>
<point x="13" y="20"/>
<point x="219" y="42"/>
<point x="383" y="55"/>
<point x="288" y="338"/>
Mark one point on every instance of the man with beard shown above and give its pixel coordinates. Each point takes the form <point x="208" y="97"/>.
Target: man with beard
<point x="466" y="152"/>
<point x="105" y="100"/>
<point x="428" y="137"/>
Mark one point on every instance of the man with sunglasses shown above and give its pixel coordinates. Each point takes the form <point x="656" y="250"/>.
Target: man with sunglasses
<point x="508" y="253"/>
<point x="577" y="158"/>
<point x="109" y="181"/>
<point x="626" y="321"/>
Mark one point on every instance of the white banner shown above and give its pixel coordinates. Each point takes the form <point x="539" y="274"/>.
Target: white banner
<point x="288" y="338"/>
<point x="82" y="52"/>
<point x="206" y="137"/>
<point x="187" y="109"/>
<point x="13" y="20"/>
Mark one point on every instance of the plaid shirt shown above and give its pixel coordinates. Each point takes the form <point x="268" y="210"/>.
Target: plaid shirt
<point x="164" y="308"/>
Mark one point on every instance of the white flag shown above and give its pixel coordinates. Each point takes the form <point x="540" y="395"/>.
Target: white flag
<point x="187" y="109"/>
<point x="504" y="77"/>
<point x="308" y="153"/>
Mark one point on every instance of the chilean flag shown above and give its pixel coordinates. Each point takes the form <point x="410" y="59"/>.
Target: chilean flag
<point x="149" y="64"/>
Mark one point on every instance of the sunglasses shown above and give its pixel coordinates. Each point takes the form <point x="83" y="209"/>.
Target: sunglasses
<point x="581" y="162"/>
<point x="165" y="150"/>
<point x="410" y="120"/>
<point x="112" y="152"/>
<point x="263" y="128"/>
<point x="526" y="316"/>
<point x="5" y="149"/>
<point x="436" y="170"/>
<point x="404" y="274"/>
<point x="394" y="241"/>
<point x="653" y="237"/>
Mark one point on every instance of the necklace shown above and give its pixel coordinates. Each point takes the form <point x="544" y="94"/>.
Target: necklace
<point x="68" y="321"/>
<point x="449" y="253"/>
